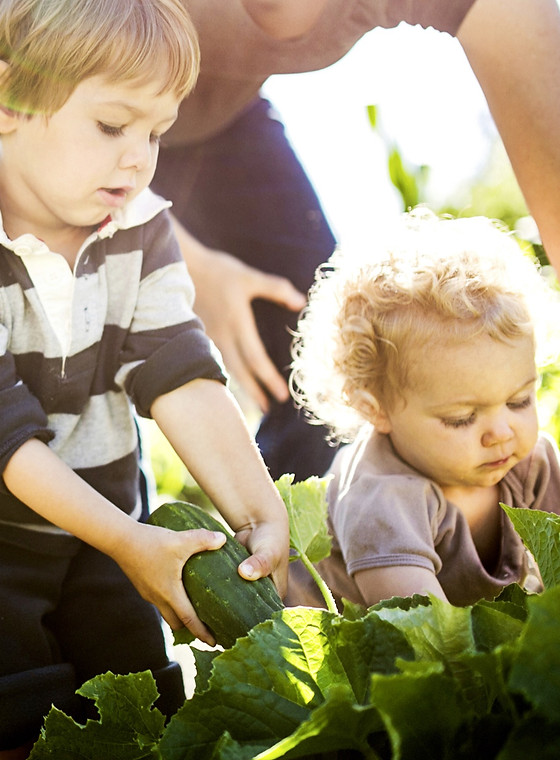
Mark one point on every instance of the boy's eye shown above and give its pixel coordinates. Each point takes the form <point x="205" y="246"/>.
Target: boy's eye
<point x="107" y="129"/>
<point x="112" y="131"/>
<point x="459" y="421"/>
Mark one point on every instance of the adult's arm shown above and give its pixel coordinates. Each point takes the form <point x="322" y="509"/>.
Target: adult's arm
<point x="225" y="288"/>
<point x="514" y="50"/>
<point x="285" y="19"/>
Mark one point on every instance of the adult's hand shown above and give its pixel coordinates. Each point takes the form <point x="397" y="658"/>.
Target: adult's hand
<point x="225" y="289"/>
<point x="514" y="51"/>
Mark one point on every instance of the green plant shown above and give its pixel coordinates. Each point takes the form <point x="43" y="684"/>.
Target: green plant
<point x="408" y="679"/>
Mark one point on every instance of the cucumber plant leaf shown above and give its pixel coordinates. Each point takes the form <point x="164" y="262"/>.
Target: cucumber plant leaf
<point x="536" y="671"/>
<point x="310" y="541"/>
<point x="540" y="532"/>
<point x="306" y="503"/>
<point x="301" y="678"/>
<point x="409" y="679"/>
<point x="129" y="727"/>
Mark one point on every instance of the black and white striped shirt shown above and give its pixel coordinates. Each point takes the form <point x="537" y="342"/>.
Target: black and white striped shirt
<point x="79" y="349"/>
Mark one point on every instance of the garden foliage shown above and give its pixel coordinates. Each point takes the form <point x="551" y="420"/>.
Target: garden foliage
<point x="408" y="679"/>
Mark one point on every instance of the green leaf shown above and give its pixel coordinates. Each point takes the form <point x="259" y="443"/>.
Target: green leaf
<point x="439" y="631"/>
<point x="540" y="532"/>
<point x="129" y="727"/>
<point x="352" y="611"/>
<point x="338" y="724"/>
<point x="369" y="645"/>
<point x="514" y="595"/>
<point x="203" y="660"/>
<point x="262" y="688"/>
<point x="422" y="712"/>
<point x="402" y="602"/>
<point x="404" y="181"/>
<point x="306" y="503"/>
<point x="265" y="688"/>
<point x="182" y="636"/>
<point x="536" y="670"/>
<point x="495" y="623"/>
<point x="442" y="633"/>
<point x="493" y="668"/>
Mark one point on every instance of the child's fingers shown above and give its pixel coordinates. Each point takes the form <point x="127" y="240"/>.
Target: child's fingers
<point x="182" y="614"/>
<point x="200" y="539"/>
<point x="157" y="572"/>
<point x="269" y="546"/>
<point x="260" y="565"/>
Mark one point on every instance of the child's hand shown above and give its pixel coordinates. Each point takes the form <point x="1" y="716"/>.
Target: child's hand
<point x="269" y="544"/>
<point x="154" y="557"/>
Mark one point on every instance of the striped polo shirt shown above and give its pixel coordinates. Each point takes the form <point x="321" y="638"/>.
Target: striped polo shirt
<point x="80" y="350"/>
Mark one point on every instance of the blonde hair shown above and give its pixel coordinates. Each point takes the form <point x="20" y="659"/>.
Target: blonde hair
<point x="371" y="318"/>
<point x="50" y="46"/>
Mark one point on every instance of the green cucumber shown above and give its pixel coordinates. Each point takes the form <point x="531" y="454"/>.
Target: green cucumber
<point x="228" y="604"/>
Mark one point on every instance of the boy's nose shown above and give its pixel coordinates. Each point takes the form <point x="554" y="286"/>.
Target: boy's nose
<point x="137" y="157"/>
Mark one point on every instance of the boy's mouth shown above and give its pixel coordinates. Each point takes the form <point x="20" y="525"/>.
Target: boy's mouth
<point x="115" y="196"/>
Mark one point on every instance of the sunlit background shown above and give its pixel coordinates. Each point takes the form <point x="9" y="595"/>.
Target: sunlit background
<point x="429" y="102"/>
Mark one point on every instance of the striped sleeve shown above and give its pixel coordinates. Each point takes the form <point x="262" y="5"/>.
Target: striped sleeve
<point x="21" y="414"/>
<point x="166" y="345"/>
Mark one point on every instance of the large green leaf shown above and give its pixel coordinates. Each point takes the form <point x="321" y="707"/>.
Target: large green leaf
<point x="369" y="645"/>
<point x="129" y="727"/>
<point x="338" y="724"/>
<point x="422" y="712"/>
<point x="279" y="683"/>
<point x="444" y="634"/>
<point x="540" y="532"/>
<point x="536" y="671"/>
<point x="262" y="688"/>
<point x="495" y="623"/>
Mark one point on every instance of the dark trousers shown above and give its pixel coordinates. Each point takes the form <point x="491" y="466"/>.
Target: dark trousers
<point x="64" y="618"/>
<point x="244" y="191"/>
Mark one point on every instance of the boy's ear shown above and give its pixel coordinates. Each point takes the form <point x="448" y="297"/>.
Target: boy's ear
<point x="8" y="117"/>
<point x="9" y="120"/>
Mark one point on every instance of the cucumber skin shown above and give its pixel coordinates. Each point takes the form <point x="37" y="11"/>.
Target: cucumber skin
<point x="228" y="604"/>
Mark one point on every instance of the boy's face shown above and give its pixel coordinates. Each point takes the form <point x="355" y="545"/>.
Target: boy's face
<point x="471" y="415"/>
<point x="95" y="154"/>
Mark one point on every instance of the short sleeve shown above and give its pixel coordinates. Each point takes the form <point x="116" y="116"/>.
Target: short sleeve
<point x="388" y="521"/>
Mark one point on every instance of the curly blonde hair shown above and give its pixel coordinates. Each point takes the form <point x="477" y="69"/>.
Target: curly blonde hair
<point x="50" y="46"/>
<point x="371" y="318"/>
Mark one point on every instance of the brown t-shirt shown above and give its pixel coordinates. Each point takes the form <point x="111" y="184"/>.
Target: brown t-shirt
<point x="237" y="57"/>
<point x="383" y="513"/>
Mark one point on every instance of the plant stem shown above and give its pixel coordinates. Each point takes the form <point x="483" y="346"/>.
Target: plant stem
<point x="323" y="588"/>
